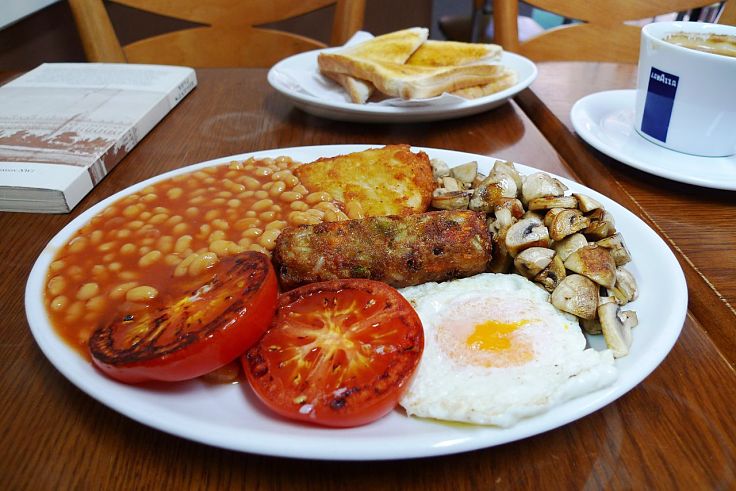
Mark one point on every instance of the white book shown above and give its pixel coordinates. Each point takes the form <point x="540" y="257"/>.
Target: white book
<point x="64" y="126"/>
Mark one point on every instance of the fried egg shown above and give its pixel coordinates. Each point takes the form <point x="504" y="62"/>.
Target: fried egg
<point x="496" y="351"/>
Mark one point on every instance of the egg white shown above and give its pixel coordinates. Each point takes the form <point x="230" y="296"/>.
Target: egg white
<point x="537" y="360"/>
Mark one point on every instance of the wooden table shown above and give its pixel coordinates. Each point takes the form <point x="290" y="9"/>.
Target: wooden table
<point x="673" y="430"/>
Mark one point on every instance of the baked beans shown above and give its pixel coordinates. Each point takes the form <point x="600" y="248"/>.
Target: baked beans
<point x="125" y="258"/>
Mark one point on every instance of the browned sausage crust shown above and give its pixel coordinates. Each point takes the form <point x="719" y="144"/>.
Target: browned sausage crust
<point x="398" y="250"/>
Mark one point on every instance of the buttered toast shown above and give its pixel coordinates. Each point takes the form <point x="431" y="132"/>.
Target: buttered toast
<point x="454" y="53"/>
<point x="505" y="79"/>
<point x="358" y="90"/>
<point x="406" y="64"/>
<point x="410" y="81"/>
<point x="395" y="47"/>
<point x="391" y="180"/>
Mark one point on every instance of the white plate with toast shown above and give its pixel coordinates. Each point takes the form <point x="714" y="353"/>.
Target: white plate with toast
<point x="344" y="110"/>
<point x="229" y="416"/>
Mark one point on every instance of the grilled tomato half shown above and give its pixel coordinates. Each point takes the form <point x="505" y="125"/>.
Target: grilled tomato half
<point x="207" y="326"/>
<point x="339" y="353"/>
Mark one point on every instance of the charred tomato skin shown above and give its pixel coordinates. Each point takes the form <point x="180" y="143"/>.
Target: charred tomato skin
<point x="339" y="353"/>
<point x="210" y="325"/>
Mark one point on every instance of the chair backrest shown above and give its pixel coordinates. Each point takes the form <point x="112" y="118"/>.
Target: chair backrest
<point x="229" y="35"/>
<point x="602" y="36"/>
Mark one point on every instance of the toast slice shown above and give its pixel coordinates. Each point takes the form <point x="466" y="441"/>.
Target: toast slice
<point x="394" y="47"/>
<point x="505" y="79"/>
<point x="410" y="81"/>
<point x="441" y="53"/>
<point x="453" y="53"/>
<point x="391" y="180"/>
<point x="358" y="90"/>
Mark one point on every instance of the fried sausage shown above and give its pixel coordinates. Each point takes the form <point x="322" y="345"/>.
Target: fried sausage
<point x="398" y="250"/>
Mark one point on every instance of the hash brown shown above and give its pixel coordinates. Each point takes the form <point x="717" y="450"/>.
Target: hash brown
<point x="391" y="180"/>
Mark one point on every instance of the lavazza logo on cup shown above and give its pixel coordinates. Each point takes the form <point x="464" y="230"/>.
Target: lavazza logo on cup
<point x="686" y="97"/>
<point x="658" y="105"/>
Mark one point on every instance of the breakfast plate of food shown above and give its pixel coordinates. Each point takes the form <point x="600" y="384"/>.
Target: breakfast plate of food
<point x="356" y="302"/>
<point x="401" y="77"/>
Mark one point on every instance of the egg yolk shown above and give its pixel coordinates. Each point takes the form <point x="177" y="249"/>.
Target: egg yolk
<point x="487" y="332"/>
<point x="493" y="335"/>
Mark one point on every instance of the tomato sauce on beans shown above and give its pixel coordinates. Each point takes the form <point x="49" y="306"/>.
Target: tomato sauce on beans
<point x="132" y="252"/>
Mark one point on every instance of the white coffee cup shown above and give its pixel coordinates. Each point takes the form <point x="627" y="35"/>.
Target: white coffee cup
<point x="685" y="98"/>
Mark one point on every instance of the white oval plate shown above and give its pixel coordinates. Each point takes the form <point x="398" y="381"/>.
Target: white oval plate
<point x="374" y="113"/>
<point x="229" y="416"/>
<point x="606" y="121"/>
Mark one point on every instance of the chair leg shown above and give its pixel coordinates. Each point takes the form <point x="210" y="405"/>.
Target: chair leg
<point x="471" y="28"/>
<point x="481" y="20"/>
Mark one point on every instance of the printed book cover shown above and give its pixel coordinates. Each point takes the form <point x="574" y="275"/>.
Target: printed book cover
<point x="64" y="126"/>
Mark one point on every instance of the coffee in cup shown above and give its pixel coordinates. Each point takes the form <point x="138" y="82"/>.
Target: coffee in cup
<point x="718" y="44"/>
<point x="686" y="93"/>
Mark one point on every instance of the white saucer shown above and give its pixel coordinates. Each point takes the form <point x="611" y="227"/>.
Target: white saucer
<point x="605" y="120"/>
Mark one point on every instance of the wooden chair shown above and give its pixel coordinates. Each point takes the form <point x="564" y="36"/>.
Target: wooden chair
<point x="230" y="35"/>
<point x="602" y="37"/>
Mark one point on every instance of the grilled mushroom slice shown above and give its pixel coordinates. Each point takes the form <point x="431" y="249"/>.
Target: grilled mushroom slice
<point x="586" y="203"/>
<point x="484" y="197"/>
<point x="537" y="215"/>
<point x="479" y="178"/>
<point x="549" y="202"/>
<point x="451" y="184"/>
<point x="505" y="182"/>
<point x="439" y="168"/>
<point x="567" y="222"/>
<point x="616" y="245"/>
<point x="552" y="275"/>
<point x="593" y="326"/>
<point x="466" y="172"/>
<point x="530" y="262"/>
<point x="550" y="215"/>
<point x="503" y="220"/>
<point x="628" y="317"/>
<point x="594" y="262"/>
<point x="501" y="261"/>
<point x="577" y="295"/>
<point x="616" y="327"/>
<point x="601" y="225"/>
<point x="568" y="245"/>
<point x="625" y="288"/>
<point x="541" y="184"/>
<point x="512" y="204"/>
<point x="526" y="233"/>
<point x="495" y="186"/>
<point x="450" y="200"/>
<point x="507" y="167"/>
